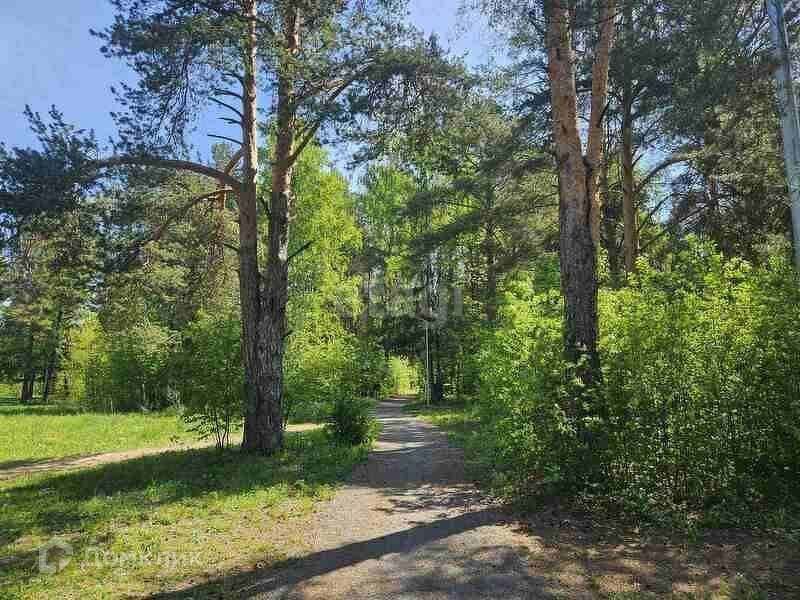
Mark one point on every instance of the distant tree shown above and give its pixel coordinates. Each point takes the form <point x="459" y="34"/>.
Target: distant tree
<point x="323" y="63"/>
<point x="50" y="264"/>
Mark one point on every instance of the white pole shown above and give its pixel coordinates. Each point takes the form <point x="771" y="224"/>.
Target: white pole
<point x="787" y="104"/>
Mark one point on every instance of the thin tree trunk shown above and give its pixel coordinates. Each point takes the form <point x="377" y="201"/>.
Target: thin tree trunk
<point x="596" y="133"/>
<point x="629" y="205"/>
<point x="490" y="255"/>
<point x="264" y="432"/>
<point x="629" y="202"/>
<point x="50" y="367"/>
<point x="28" y="381"/>
<point x="611" y="217"/>
<point x="28" y="374"/>
<point x="578" y="182"/>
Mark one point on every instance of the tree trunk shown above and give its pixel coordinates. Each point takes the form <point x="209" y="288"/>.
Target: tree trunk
<point x="264" y="424"/>
<point x="249" y="275"/>
<point x="611" y="218"/>
<point x="578" y="182"/>
<point x="50" y="368"/>
<point x="28" y="374"/>
<point x="629" y="204"/>
<point x="28" y="381"/>
<point x="490" y="255"/>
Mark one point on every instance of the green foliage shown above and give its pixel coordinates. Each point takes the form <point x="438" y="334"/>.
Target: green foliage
<point x="698" y="407"/>
<point x="701" y="383"/>
<point x="526" y="439"/>
<point x="403" y="375"/>
<point x="212" y="375"/>
<point x="318" y="372"/>
<point x="133" y="369"/>
<point x="351" y="421"/>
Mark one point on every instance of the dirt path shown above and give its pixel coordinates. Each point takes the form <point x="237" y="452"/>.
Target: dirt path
<point x="84" y="461"/>
<point x="409" y="525"/>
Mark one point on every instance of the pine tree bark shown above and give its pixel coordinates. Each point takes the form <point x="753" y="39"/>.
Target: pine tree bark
<point x="249" y="274"/>
<point x="579" y="210"/>
<point x="264" y="420"/>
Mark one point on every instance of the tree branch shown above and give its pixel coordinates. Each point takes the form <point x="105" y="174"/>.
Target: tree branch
<point x="159" y="231"/>
<point x="224" y="137"/>
<point x="233" y="109"/>
<point x="666" y="163"/>
<point x="299" y="251"/>
<point x="238" y="155"/>
<point x="312" y="130"/>
<point x="167" y="163"/>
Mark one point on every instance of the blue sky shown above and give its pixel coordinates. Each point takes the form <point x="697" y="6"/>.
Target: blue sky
<point x="48" y="57"/>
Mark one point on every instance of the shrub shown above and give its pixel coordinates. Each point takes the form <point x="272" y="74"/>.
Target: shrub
<point x="351" y="421"/>
<point x="699" y="402"/>
<point x="132" y="369"/>
<point x="701" y="380"/>
<point x="212" y="375"/>
<point x="320" y="369"/>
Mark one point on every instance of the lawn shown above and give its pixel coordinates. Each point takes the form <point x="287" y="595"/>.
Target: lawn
<point x="40" y="432"/>
<point x="146" y="524"/>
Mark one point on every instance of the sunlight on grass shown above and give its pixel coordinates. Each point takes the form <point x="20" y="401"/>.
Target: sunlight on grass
<point x="40" y="432"/>
<point x="456" y="419"/>
<point x="143" y="525"/>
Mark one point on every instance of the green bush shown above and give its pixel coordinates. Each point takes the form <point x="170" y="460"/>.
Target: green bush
<point x="702" y="384"/>
<point x="320" y="369"/>
<point x="132" y="369"/>
<point x="213" y="377"/>
<point x="700" y="398"/>
<point x="351" y="421"/>
<point x="525" y="441"/>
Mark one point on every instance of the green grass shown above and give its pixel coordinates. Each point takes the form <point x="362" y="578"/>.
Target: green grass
<point x="144" y="525"/>
<point x="40" y="432"/>
<point x="456" y="419"/>
<point x="738" y="589"/>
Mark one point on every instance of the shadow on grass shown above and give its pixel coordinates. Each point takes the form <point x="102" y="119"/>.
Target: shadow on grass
<point x="77" y="505"/>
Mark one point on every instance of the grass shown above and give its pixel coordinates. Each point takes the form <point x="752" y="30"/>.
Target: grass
<point x="456" y="419"/>
<point x="146" y="524"/>
<point x="40" y="432"/>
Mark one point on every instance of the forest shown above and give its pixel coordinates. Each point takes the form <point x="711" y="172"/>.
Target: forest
<point x="576" y="258"/>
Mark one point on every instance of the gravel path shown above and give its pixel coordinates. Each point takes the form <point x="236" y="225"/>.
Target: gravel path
<point x="408" y="525"/>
